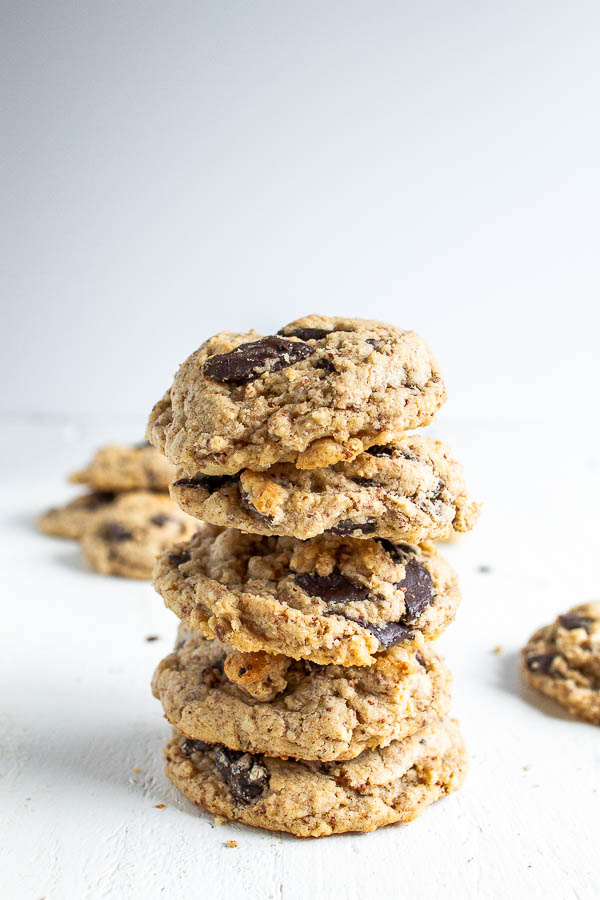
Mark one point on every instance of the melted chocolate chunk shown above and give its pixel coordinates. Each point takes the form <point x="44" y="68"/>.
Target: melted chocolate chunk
<point x="348" y="527"/>
<point x="246" y="777"/>
<point x="307" y="334"/>
<point x="160" y="519"/>
<point x="210" y="483"/>
<point x="391" y="634"/>
<point x="189" y="746"/>
<point x="572" y="620"/>
<point x="250" y="361"/>
<point x="380" y="450"/>
<point x="418" y="590"/>
<point x="398" y="551"/>
<point x="115" y="533"/>
<point x="178" y="559"/>
<point x="325" y="364"/>
<point x="542" y="662"/>
<point x="334" y="589"/>
<point x="100" y="498"/>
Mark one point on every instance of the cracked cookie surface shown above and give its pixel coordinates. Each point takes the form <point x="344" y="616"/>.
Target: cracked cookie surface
<point x="315" y="712"/>
<point x="379" y="787"/>
<point x="411" y="490"/>
<point x="322" y="390"/>
<point x="123" y="468"/>
<point x="72" y="519"/>
<point x="562" y="660"/>
<point x="126" y="538"/>
<point x="329" y="599"/>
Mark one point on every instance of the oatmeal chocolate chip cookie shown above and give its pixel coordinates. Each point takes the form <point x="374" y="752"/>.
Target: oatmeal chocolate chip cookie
<point x="562" y="660"/>
<point x="323" y="390"/>
<point x="309" y="711"/>
<point x="126" y="538"/>
<point x="315" y="799"/>
<point x="71" y="520"/>
<point x="330" y="599"/>
<point x="122" y="468"/>
<point x="411" y="490"/>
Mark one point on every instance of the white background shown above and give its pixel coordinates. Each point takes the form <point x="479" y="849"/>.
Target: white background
<point x="174" y="169"/>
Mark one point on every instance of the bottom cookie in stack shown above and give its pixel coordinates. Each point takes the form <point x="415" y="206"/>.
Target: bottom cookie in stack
<point x="311" y="749"/>
<point x="315" y="799"/>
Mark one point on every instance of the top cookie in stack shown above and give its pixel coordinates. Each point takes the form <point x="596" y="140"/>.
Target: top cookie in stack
<point x="318" y="513"/>
<point x="320" y="391"/>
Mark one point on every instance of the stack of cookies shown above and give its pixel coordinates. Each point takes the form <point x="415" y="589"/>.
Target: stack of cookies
<point x="304" y="691"/>
<point x="125" y="517"/>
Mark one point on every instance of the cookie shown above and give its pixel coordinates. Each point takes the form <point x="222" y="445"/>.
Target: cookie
<point x="330" y="599"/>
<point x="71" y="520"/>
<point x="411" y="490"/>
<point x="314" y="799"/>
<point x="321" y="390"/>
<point x="122" y="468"/>
<point x="562" y="660"/>
<point x="308" y="712"/>
<point x="126" y="538"/>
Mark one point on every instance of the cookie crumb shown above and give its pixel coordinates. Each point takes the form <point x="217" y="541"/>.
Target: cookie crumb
<point x="152" y="637"/>
<point x="527" y="768"/>
<point x="159" y="806"/>
<point x="219" y="820"/>
<point x="497" y="650"/>
<point x="136" y="770"/>
<point x="231" y="844"/>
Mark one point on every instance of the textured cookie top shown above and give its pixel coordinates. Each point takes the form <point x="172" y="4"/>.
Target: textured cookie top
<point x="123" y="468"/>
<point x="126" y="538"/>
<point x="71" y="520"/>
<point x="309" y="711"/>
<point x="563" y="661"/>
<point x="412" y="490"/>
<point x="329" y="599"/>
<point x="379" y="787"/>
<point x="322" y="390"/>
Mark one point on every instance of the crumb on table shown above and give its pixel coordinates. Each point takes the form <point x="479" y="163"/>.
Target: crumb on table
<point x="231" y="844"/>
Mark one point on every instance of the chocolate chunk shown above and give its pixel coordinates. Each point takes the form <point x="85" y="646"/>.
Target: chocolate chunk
<point x="418" y="590"/>
<point x="307" y="334"/>
<point x="391" y="634"/>
<point x="250" y="361"/>
<point x="436" y="493"/>
<point x="210" y="483"/>
<point x="246" y="777"/>
<point x="572" y="620"/>
<point x="160" y="519"/>
<point x="325" y="364"/>
<point x="115" y="533"/>
<point x="100" y="498"/>
<point x="365" y="482"/>
<point x="398" y="551"/>
<point x="178" y="559"/>
<point x="380" y="450"/>
<point x="334" y="589"/>
<point x="542" y="662"/>
<point x="347" y="526"/>
<point x="420" y="659"/>
<point x="189" y="746"/>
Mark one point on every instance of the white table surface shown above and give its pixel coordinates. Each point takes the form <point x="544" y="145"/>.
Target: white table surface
<point x="77" y="716"/>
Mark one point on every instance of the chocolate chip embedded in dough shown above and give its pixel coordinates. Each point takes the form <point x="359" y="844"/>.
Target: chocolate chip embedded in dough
<point x="249" y="361"/>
